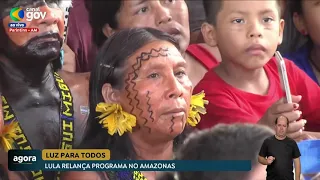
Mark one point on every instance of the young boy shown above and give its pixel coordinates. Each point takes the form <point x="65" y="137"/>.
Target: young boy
<point x="246" y="87"/>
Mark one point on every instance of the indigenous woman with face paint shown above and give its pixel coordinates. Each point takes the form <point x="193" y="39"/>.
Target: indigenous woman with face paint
<point x="170" y="16"/>
<point x="140" y="101"/>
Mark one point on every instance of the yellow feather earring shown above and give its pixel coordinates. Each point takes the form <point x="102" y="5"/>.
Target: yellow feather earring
<point x="115" y="119"/>
<point x="7" y="135"/>
<point x="197" y="106"/>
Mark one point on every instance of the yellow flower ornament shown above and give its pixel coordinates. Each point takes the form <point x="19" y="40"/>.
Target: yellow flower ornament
<point x="197" y="106"/>
<point x="7" y="135"/>
<point x="115" y="119"/>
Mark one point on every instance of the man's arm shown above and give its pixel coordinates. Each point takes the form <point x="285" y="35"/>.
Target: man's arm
<point x="263" y="153"/>
<point x="262" y="160"/>
<point x="297" y="168"/>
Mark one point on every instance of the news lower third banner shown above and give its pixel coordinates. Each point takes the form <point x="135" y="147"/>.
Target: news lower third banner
<point x="98" y="160"/>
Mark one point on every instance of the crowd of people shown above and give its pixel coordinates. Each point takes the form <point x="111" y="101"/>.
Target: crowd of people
<point x="158" y="80"/>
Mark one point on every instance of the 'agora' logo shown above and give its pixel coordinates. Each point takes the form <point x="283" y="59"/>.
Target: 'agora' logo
<point x="17" y="14"/>
<point x="24" y="159"/>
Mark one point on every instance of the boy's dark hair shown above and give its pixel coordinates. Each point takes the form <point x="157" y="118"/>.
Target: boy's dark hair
<point x="222" y="142"/>
<point x="276" y="121"/>
<point x="196" y="14"/>
<point x="102" y="12"/>
<point x="213" y="7"/>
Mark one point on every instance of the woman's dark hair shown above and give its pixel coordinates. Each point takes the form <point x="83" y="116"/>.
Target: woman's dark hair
<point x="109" y="69"/>
<point x="296" y="6"/>
<point x="296" y="38"/>
<point x="102" y="12"/>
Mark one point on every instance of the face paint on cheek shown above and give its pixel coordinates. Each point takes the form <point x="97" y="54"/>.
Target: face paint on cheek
<point x="134" y="104"/>
<point x="172" y="124"/>
<point x="145" y="56"/>
<point x="133" y="89"/>
<point x="144" y="125"/>
<point x="130" y="81"/>
<point x="128" y="88"/>
<point x="150" y="111"/>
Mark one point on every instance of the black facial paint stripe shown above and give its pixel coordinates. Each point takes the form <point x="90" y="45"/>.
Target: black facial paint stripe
<point x="172" y="124"/>
<point x="149" y="107"/>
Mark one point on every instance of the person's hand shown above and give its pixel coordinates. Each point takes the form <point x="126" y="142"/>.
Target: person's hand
<point x="270" y="159"/>
<point x="290" y="111"/>
<point x="307" y="135"/>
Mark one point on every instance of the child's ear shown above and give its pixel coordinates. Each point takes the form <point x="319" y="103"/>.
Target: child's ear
<point x="281" y="29"/>
<point x="209" y="34"/>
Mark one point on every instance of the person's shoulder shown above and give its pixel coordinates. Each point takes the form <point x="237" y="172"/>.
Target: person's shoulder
<point x="210" y="76"/>
<point x="74" y="78"/>
<point x="290" y="140"/>
<point x="78" y="82"/>
<point x="269" y="139"/>
<point x="204" y="54"/>
<point x="212" y="84"/>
